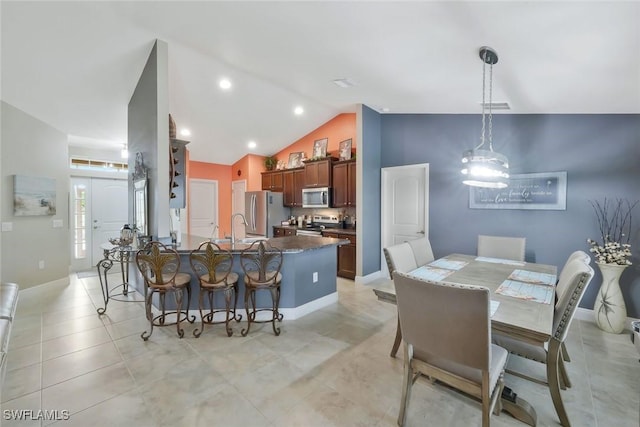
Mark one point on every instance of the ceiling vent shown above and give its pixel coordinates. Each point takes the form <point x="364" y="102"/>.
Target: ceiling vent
<point x="343" y="83"/>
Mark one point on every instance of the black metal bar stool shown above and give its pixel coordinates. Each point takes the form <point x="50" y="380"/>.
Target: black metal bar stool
<point x="212" y="265"/>
<point x="261" y="264"/>
<point x="160" y="268"/>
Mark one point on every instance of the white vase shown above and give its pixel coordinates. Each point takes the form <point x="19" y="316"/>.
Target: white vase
<point x="609" y="308"/>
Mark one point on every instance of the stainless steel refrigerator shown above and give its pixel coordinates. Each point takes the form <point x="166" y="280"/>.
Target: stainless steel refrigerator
<point x="263" y="210"/>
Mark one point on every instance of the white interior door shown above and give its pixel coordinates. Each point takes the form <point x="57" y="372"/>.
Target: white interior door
<point x="238" y="188"/>
<point x="405" y="204"/>
<point x="203" y="208"/>
<point x="109" y="212"/>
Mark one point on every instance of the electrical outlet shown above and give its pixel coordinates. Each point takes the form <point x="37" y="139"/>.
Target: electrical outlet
<point x="315" y="276"/>
<point x="41" y="264"/>
<point x="57" y="223"/>
<point x="7" y="226"/>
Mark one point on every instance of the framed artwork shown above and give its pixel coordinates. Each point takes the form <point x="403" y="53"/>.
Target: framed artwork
<point x="33" y="195"/>
<point x="345" y="149"/>
<point x="295" y="160"/>
<point x="320" y="148"/>
<point x="543" y="191"/>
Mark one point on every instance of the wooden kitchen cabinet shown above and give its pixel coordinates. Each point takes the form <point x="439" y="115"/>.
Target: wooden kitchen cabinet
<point x="283" y="231"/>
<point x="318" y="173"/>
<point x="272" y="181"/>
<point x="346" y="254"/>
<point x="344" y="184"/>
<point x="293" y="183"/>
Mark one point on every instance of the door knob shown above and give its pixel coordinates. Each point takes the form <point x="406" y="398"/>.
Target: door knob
<point x="421" y="232"/>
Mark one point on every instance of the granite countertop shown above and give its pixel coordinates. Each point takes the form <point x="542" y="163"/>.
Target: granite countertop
<point x="348" y="230"/>
<point x="288" y="244"/>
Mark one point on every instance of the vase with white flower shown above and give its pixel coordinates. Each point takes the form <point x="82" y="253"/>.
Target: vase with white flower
<point x="612" y="255"/>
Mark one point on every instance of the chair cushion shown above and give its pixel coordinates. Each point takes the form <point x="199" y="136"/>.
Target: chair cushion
<point x="520" y="348"/>
<point x="498" y="361"/>
<point x="231" y="279"/>
<point x="8" y="300"/>
<point x="251" y="279"/>
<point x="182" y="279"/>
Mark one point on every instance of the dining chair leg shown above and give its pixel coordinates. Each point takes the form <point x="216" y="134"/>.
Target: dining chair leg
<point x="553" y="356"/>
<point x="407" y="382"/>
<point x="565" y="382"/>
<point x="397" y="341"/>
<point x="565" y="353"/>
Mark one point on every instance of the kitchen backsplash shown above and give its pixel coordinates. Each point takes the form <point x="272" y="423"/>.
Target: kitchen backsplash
<point x="348" y="213"/>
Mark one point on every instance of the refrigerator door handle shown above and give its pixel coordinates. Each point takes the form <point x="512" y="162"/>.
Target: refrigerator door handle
<point x="253" y="212"/>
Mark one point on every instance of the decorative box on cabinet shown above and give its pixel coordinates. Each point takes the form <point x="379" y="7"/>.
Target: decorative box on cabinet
<point x="272" y="181"/>
<point x="177" y="173"/>
<point x="344" y="184"/>
<point x="318" y="173"/>
<point x="346" y="254"/>
<point x="293" y="183"/>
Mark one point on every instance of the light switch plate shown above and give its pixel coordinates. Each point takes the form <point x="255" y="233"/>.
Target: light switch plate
<point x="7" y="226"/>
<point x="57" y="223"/>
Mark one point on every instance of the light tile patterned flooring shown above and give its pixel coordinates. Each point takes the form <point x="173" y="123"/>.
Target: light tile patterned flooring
<point x="329" y="368"/>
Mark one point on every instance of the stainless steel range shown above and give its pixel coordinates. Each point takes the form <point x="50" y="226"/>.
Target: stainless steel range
<point x="320" y="222"/>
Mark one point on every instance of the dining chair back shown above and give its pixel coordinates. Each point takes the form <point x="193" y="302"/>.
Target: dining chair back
<point x="399" y="257"/>
<point x="447" y="333"/>
<point x="422" y="251"/>
<point x="512" y="248"/>
<point x="575" y="281"/>
<point x="562" y="278"/>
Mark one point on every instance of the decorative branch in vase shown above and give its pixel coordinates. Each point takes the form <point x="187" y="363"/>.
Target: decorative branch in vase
<point x="612" y="255"/>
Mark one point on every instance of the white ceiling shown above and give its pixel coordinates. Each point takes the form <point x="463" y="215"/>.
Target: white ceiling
<point x="74" y="65"/>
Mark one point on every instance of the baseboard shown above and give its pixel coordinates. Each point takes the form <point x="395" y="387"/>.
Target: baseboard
<point x="65" y="281"/>
<point x="287" y="313"/>
<point x="363" y="280"/>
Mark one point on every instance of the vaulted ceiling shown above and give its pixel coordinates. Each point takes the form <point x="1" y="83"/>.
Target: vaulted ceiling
<point x="74" y="65"/>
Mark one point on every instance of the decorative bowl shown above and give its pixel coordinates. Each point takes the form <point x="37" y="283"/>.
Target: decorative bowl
<point x="118" y="241"/>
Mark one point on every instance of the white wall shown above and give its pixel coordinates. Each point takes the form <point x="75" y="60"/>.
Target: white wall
<point x="33" y="148"/>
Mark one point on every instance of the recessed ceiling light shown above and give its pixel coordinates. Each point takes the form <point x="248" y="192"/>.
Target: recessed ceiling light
<point x="298" y="110"/>
<point x="185" y="132"/>
<point x="252" y="144"/>
<point x="344" y="82"/>
<point x="225" y="84"/>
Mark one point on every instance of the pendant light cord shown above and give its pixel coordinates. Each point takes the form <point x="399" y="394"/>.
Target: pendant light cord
<point x="490" y="106"/>
<point x="484" y="63"/>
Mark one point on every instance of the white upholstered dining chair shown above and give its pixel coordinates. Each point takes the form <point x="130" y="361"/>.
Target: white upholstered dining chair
<point x="422" y="251"/>
<point x="501" y="247"/>
<point x="447" y="333"/>
<point x="399" y="257"/>
<point x="575" y="281"/>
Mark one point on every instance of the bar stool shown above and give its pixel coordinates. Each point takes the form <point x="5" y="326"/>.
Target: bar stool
<point x="261" y="264"/>
<point x="212" y="265"/>
<point x="160" y="269"/>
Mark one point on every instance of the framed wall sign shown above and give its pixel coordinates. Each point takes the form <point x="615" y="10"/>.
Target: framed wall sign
<point x="544" y="191"/>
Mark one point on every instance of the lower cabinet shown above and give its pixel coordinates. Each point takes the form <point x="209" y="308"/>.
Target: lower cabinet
<point x="283" y="231"/>
<point x="346" y="254"/>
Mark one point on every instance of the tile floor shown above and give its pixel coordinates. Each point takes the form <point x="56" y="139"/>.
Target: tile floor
<point x="329" y="368"/>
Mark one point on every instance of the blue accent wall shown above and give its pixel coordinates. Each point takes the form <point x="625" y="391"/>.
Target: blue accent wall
<point x="370" y="150"/>
<point x="599" y="152"/>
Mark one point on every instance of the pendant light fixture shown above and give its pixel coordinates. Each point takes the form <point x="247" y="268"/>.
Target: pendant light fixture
<point x="484" y="167"/>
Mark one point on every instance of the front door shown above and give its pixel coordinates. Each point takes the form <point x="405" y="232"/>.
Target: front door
<point x="405" y="204"/>
<point x="109" y="212"/>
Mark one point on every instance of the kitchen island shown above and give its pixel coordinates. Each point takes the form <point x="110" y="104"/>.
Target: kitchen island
<point x="305" y="259"/>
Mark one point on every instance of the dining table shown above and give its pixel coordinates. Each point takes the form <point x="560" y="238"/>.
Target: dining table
<point x="522" y="302"/>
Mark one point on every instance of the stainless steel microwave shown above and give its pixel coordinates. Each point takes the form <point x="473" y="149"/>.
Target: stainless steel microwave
<point x="316" y="197"/>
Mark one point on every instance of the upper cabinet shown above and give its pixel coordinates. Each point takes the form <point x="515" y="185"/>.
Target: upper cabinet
<point x="293" y="183"/>
<point x="272" y="181"/>
<point x="344" y="184"/>
<point x="318" y="173"/>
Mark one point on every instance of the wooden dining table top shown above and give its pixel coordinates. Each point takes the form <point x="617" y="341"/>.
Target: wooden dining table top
<point x="524" y="319"/>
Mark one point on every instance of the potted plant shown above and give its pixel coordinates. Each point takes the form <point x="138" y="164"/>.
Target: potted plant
<point x="270" y="162"/>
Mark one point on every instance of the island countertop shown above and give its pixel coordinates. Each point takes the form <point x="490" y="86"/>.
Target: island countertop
<point x="288" y="244"/>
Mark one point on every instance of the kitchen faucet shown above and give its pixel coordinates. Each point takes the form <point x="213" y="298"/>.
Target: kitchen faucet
<point x="233" y="229"/>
